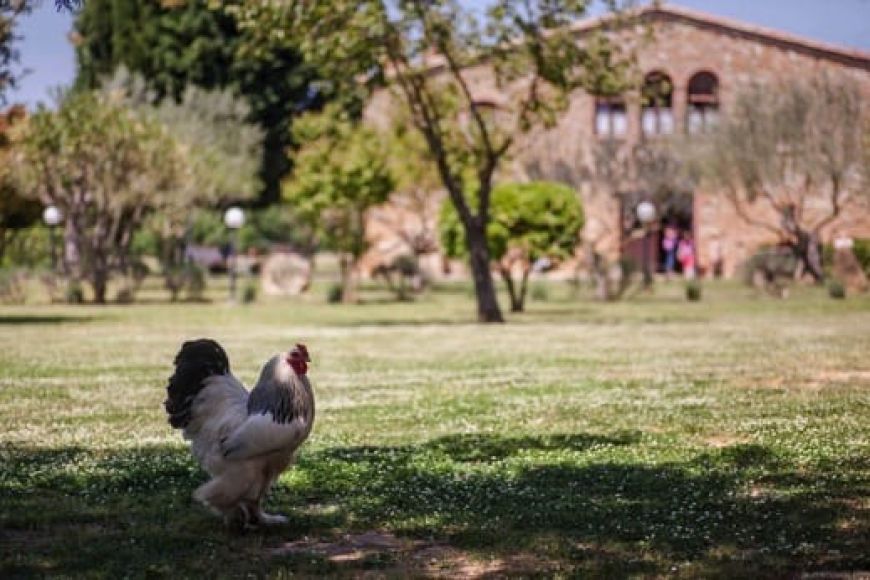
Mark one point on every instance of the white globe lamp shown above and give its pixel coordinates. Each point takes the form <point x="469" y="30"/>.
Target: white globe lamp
<point x="646" y="212"/>
<point x="234" y="218"/>
<point x="52" y="216"/>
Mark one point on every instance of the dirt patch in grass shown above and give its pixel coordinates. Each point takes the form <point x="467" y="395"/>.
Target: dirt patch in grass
<point x="725" y="440"/>
<point x="400" y="556"/>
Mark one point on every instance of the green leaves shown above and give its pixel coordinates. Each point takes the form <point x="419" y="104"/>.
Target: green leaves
<point x="540" y="219"/>
<point x="341" y="171"/>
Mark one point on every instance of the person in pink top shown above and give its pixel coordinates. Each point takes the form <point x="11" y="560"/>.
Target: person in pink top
<point x="686" y="255"/>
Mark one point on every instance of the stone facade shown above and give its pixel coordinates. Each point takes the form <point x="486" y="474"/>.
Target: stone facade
<point x="682" y="44"/>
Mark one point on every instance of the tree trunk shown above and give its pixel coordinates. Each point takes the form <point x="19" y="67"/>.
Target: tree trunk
<point x="524" y="287"/>
<point x="484" y="289"/>
<point x="517" y="296"/>
<point x="99" y="282"/>
<point x="348" y="290"/>
<point x="805" y="244"/>
<point x="814" y="258"/>
<point x="808" y="251"/>
<point x="516" y="300"/>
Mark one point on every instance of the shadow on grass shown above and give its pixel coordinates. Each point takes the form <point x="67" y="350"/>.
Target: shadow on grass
<point x="16" y="319"/>
<point x="579" y="501"/>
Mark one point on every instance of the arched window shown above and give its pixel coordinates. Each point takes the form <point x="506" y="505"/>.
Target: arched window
<point x="703" y="102"/>
<point x="657" y="114"/>
<point x="611" y="119"/>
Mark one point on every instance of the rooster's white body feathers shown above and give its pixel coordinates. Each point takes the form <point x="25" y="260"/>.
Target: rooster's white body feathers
<point x="243" y="440"/>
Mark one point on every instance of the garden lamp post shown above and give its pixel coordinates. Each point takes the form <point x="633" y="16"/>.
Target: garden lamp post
<point x="646" y="213"/>
<point x="52" y="216"/>
<point x="234" y="218"/>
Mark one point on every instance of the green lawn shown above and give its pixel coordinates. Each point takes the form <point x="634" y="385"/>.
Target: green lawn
<point x="649" y="437"/>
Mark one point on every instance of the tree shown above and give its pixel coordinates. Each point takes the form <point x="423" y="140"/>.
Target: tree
<point x="177" y="45"/>
<point x="221" y="150"/>
<point x="341" y="172"/>
<point x="530" y="222"/>
<point x="787" y="148"/>
<point x="16" y="210"/>
<point x="104" y="167"/>
<point x="427" y="52"/>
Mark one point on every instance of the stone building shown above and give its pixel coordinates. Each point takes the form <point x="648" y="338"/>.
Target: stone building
<point x="703" y="60"/>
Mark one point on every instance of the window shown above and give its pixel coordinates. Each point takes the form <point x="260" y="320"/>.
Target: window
<point x="703" y="102"/>
<point x="611" y="119"/>
<point x="657" y="115"/>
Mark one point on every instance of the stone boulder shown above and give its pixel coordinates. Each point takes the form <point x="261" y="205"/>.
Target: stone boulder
<point x="285" y="274"/>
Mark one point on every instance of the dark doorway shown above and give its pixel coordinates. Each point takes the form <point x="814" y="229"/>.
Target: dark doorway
<point x="674" y="210"/>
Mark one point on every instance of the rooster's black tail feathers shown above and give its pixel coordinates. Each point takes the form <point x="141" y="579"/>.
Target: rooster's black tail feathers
<point x="196" y="361"/>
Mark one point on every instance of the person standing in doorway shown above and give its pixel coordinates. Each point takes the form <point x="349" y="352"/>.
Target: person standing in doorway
<point x="686" y="255"/>
<point x="669" y="248"/>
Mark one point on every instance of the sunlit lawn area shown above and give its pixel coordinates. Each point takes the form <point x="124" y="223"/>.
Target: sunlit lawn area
<point x="649" y="437"/>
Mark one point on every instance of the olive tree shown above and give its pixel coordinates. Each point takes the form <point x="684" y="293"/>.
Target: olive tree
<point x="105" y="168"/>
<point x="795" y="151"/>
<point x="221" y="150"/>
<point x="530" y="221"/>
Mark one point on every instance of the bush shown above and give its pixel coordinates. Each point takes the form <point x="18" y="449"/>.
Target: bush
<point x="126" y="295"/>
<point x="52" y="284"/>
<point x="540" y="292"/>
<point x="249" y="293"/>
<point x="74" y="293"/>
<point x="693" y="291"/>
<point x="188" y="277"/>
<point x="334" y="294"/>
<point x="195" y="282"/>
<point x="29" y="247"/>
<point x="861" y="249"/>
<point x="13" y="286"/>
<point x="862" y="253"/>
<point x="772" y="269"/>
<point x="836" y="290"/>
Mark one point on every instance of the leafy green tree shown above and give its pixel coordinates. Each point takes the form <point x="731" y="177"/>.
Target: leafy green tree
<point x="341" y="171"/>
<point x="530" y="222"/>
<point x="175" y="45"/>
<point x="105" y="168"/>
<point x="427" y="52"/>
<point x="16" y="211"/>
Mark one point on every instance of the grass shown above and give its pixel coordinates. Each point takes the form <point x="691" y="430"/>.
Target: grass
<point x="652" y="437"/>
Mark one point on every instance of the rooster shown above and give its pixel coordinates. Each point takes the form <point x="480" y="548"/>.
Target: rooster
<point x="243" y="440"/>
